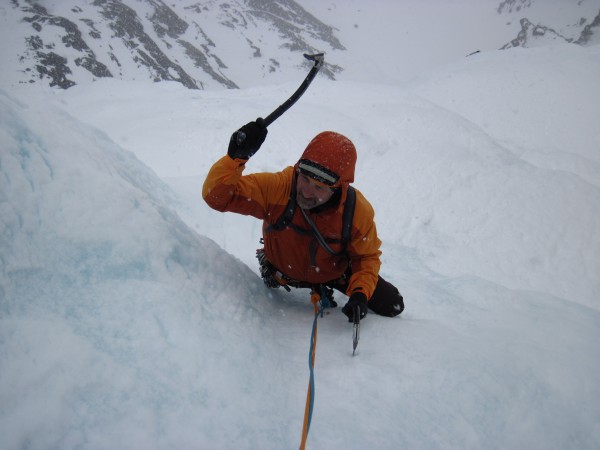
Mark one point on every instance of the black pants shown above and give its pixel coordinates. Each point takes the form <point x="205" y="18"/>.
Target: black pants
<point x="386" y="300"/>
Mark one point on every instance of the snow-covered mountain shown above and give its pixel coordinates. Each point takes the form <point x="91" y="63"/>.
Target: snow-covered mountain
<point x="197" y="43"/>
<point x="236" y="43"/>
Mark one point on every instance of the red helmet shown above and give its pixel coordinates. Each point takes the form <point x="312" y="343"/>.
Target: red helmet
<point x="329" y="158"/>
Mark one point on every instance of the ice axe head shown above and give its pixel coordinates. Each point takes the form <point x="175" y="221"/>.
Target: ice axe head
<point x="317" y="58"/>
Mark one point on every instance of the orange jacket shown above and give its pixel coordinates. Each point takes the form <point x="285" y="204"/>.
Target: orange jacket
<point x="300" y="257"/>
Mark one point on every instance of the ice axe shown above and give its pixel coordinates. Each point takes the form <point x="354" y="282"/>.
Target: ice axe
<point x="356" y="329"/>
<point x="318" y="59"/>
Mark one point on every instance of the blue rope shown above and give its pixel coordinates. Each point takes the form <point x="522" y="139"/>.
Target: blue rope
<point x="311" y="368"/>
<point x="324" y="303"/>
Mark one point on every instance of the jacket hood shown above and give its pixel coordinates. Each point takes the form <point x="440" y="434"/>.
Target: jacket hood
<point x="329" y="158"/>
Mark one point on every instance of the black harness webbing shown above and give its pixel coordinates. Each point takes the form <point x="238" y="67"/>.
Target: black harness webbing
<point x="285" y="220"/>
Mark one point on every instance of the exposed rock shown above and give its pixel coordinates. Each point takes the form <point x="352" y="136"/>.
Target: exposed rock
<point x="513" y="6"/>
<point x="105" y="37"/>
<point x="127" y="26"/>
<point x="591" y="32"/>
<point x="51" y="65"/>
<point x="531" y="33"/>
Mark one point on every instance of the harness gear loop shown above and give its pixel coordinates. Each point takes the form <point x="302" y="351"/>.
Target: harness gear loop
<point x="269" y="273"/>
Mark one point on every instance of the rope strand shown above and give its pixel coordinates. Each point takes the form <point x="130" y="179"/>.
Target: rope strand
<point x="320" y="302"/>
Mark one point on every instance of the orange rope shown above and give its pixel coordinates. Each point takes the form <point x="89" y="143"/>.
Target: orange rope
<point x="314" y="298"/>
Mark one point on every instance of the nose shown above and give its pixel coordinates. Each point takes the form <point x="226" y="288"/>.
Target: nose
<point x="308" y="190"/>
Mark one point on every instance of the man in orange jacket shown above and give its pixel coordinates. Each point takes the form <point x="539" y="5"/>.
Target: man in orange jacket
<point x="303" y="209"/>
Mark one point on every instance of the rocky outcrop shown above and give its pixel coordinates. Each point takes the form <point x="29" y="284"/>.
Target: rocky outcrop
<point x="136" y="39"/>
<point x="591" y="32"/>
<point x="533" y="33"/>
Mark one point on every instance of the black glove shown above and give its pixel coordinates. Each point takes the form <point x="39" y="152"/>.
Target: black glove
<point x="246" y="141"/>
<point x="357" y="300"/>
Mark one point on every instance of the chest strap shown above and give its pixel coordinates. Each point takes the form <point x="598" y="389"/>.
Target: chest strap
<point x="285" y="220"/>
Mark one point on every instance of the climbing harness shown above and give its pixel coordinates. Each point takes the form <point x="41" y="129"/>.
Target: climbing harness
<point x="272" y="277"/>
<point x="285" y="221"/>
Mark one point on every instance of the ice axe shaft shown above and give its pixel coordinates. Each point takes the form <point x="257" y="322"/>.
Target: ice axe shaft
<point x="318" y="60"/>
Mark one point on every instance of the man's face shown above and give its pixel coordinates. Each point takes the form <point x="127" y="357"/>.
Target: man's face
<point x="310" y="194"/>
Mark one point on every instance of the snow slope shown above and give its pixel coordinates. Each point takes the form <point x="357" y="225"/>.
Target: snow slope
<point x="124" y="323"/>
<point x="471" y="178"/>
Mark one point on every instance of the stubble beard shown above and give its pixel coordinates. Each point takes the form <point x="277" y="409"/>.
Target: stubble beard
<point x="306" y="203"/>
